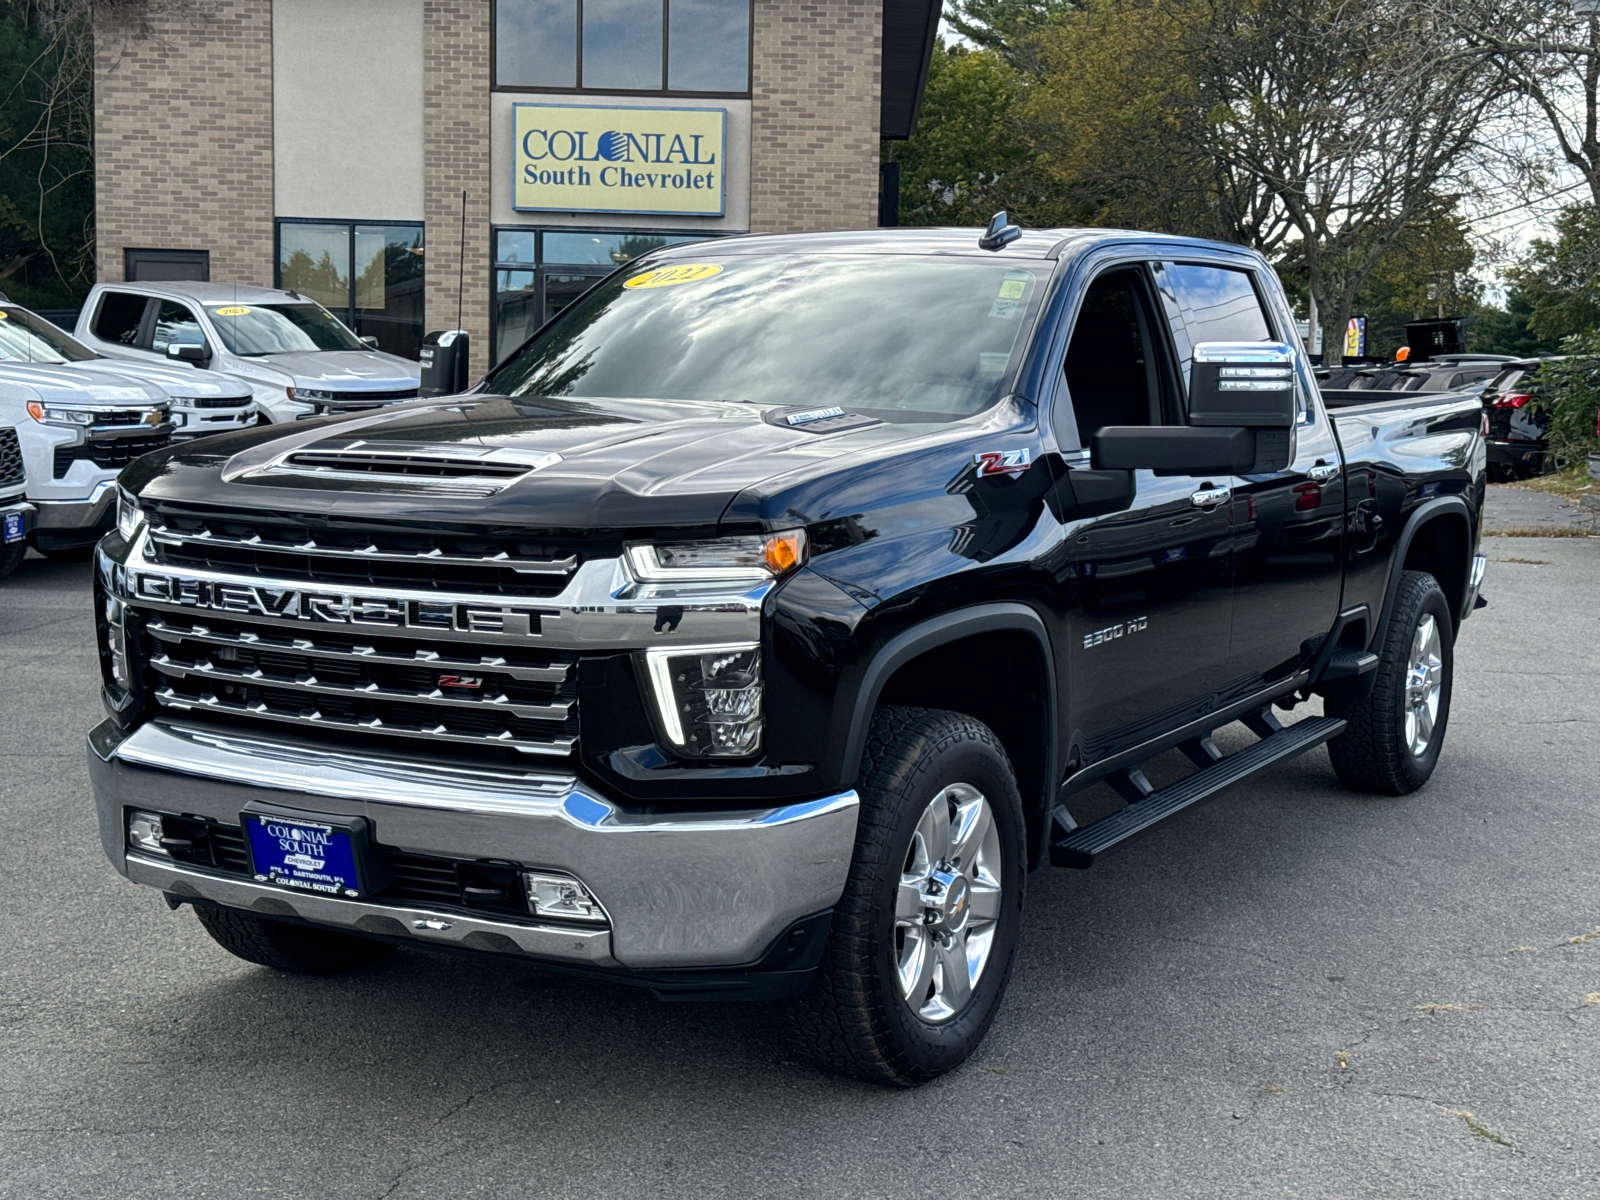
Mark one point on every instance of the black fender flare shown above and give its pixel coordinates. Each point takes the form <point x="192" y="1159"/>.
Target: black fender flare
<point x="1424" y="513"/>
<point x="930" y="635"/>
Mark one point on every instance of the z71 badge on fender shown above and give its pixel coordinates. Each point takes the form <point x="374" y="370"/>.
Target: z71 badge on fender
<point x="1003" y="462"/>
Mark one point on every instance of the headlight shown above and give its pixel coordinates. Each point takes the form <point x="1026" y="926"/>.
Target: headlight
<point x="47" y="414"/>
<point x="708" y="698"/>
<point x="130" y="517"/>
<point x="307" y="395"/>
<point x="739" y="560"/>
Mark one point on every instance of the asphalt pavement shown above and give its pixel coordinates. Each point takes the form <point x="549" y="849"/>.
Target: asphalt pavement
<point x="1296" y="991"/>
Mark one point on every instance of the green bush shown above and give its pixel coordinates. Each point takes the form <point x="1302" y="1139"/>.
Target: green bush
<point x="1569" y="398"/>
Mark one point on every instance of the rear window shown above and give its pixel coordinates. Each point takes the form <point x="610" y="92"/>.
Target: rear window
<point x="905" y="337"/>
<point x="119" y="317"/>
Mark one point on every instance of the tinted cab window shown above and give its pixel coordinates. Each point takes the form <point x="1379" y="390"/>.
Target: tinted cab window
<point x="120" y="317"/>
<point x="176" y="325"/>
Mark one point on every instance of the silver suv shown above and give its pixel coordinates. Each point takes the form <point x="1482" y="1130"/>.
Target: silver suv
<point x="298" y="358"/>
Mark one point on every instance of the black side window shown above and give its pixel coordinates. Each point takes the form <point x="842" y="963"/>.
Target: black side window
<point x="119" y="318"/>
<point x="1219" y="304"/>
<point x="175" y="324"/>
<point x="1117" y="369"/>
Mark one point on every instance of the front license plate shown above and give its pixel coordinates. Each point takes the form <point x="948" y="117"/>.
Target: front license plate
<point x="307" y="855"/>
<point x="13" y="531"/>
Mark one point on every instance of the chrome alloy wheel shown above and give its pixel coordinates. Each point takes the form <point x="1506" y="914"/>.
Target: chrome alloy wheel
<point x="1424" y="683"/>
<point x="947" y="906"/>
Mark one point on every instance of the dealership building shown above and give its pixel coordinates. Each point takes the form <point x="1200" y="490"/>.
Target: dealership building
<point x="419" y="164"/>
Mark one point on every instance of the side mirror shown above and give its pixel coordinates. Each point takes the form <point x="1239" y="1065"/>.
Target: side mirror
<point x="1242" y="383"/>
<point x="1174" y="449"/>
<point x="189" y="352"/>
<point x="371" y="343"/>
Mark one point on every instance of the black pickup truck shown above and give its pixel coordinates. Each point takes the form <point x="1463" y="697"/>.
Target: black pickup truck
<point x="758" y="626"/>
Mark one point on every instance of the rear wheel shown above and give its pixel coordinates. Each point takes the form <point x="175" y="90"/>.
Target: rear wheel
<point x="295" y="949"/>
<point x="1395" y="734"/>
<point x="925" y="934"/>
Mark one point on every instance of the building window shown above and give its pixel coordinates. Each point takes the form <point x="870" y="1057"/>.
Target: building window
<point x="370" y="276"/>
<point x="537" y="273"/>
<point x="154" y="266"/>
<point x="690" y="47"/>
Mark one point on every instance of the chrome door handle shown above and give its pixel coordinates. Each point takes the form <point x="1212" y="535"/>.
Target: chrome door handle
<point x="1322" y="471"/>
<point x="1211" y="496"/>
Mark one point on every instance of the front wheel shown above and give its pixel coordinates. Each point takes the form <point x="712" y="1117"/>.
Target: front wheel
<point x="11" y="556"/>
<point x="284" y="946"/>
<point x="926" y="931"/>
<point x="1394" y="737"/>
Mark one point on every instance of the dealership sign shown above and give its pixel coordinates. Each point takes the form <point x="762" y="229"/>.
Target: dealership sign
<point x="572" y="158"/>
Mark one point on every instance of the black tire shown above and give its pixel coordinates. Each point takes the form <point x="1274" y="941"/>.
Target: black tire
<point x="11" y="557"/>
<point x="294" y="949"/>
<point x="1502" y="473"/>
<point x="1374" y="753"/>
<point x="854" y="1019"/>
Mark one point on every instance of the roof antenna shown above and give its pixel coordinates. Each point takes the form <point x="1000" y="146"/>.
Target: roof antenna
<point x="1001" y="233"/>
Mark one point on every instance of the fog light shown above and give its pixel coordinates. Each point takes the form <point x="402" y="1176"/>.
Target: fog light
<point x="562" y="896"/>
<point x="145" y="832"/>
<point x="709" y="698"/>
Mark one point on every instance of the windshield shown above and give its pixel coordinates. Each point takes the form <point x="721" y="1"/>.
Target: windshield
<point x="280" y="329"/>
<point x="25" y="337"/>
<point x="922" y="336"/>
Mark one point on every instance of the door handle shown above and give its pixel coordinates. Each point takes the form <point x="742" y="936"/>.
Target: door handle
<point x="1207" y="497"/>
<point x="1322" y="471"/>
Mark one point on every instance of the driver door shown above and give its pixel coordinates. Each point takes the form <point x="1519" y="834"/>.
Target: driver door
<point x="1149" y="585"/>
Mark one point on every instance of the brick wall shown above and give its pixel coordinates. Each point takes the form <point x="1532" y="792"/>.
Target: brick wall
<point x="455" y="133"/>
<point x="814" y="115"/>
<point x="183" y="136"/>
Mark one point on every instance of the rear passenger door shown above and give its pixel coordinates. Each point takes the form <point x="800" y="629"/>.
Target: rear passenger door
<point x="1148" y="585"/>
<point x="1288" y="525"/>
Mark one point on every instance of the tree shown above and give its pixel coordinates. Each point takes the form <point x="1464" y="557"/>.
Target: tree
<point x="1505" y="330"/>
<point x="960" y="166"/>
<point x="1002" y="25"/>
<point x="1561" y="276"/>
<point x="46" y="151"/>
<point x="1547" y="52"/>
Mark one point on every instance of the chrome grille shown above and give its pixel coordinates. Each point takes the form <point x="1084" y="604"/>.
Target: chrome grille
<point x="351" y="683"/>
<point x="288" y="551"/>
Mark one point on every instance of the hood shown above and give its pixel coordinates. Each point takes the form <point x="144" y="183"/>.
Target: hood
<point x="71" y="384"/>
<point x="561" y="464"/>
<point x="177" y="382"/>
<point x="346" y="370"/>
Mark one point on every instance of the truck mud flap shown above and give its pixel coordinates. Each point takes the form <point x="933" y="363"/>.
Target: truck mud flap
<point x="1081" y="847"/>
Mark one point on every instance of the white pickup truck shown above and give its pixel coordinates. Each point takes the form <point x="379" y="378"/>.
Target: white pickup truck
<point x="14" y="507"/>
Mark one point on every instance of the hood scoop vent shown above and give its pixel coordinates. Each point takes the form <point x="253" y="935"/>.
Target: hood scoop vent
<point x="831" y="419"/>
<point x="450" y="470"/>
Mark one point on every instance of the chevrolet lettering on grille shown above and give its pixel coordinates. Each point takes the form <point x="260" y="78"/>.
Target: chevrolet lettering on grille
<point x="334" y="608"/>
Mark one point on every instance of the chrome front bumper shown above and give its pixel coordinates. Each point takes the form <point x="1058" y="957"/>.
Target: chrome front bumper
<point x="69" y="515"/>
<point x="690" y="890"/>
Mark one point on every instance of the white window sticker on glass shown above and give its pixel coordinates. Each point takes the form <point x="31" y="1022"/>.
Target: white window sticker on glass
<point x="1013" y="297"/>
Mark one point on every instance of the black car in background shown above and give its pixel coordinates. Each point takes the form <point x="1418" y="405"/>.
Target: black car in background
<point x="1443" y="373"/>
<point x="1516" y="442"/>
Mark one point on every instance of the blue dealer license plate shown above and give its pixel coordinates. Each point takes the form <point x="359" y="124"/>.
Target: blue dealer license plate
<point x="306" y="855"/>
<point x="13" y="531"/>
